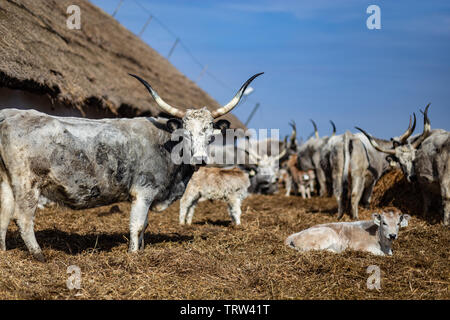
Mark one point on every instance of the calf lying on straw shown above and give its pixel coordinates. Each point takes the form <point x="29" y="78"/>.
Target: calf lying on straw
<point x="374" y="236"/>
<point x="229" y="185"/>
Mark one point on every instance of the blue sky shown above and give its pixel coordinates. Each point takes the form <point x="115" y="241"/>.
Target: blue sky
<point x="319" y="58"/>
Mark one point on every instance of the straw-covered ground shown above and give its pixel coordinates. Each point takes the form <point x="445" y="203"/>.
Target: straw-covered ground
<point x="213" y="260"/>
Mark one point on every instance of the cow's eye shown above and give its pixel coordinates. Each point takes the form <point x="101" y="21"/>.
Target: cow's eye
<point x="384" y="223"/>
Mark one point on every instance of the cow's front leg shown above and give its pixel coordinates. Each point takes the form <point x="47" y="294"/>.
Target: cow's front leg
<point x="6" y="211"/>
<point x="322" y="182"/>
<point x="234" y="209"/>
<point x="138" y="222"/>
<point x="24" y="210"/>
<point x="367" y="195"/>
<point x="445" y="192"/>
<point x="288" y="183"/>
<point x="302" y="191"/>
<point x="308" y="192"/>
<point x="357" y="191"/>
<point x="426" y="203"/>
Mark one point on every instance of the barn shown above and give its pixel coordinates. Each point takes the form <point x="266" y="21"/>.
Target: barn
<point x="46" y="66"/>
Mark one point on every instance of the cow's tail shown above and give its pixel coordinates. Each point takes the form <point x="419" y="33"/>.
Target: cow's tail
<point x="345" y="173"/>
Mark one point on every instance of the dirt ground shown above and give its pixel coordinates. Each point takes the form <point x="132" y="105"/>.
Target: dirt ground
<point x="213" y="260"/>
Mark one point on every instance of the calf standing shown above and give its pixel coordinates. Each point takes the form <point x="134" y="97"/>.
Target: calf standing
<point x="374" y="236"/>
<point x="303" y="181"/>
<point x="229" y="185"/>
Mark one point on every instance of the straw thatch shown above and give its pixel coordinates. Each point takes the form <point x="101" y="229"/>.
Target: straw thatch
<point x="87" y="68"/>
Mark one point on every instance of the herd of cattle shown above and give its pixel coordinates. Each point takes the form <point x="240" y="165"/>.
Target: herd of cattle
<point x="83" y="163"/>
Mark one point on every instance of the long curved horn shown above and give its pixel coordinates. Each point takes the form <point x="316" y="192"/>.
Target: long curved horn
<point x="408" y="131"/>
<point x="426" y="128"/>
<point x="294" y="132"/>
<point x="374" y="144"/>
<point x="161" y="103"/>
<point x="281" y="155"/>
<point x="334" y="128"/>
<point x="233" y="103"/>
<point x="253" y="155"/>
<point x="316" y="132"/>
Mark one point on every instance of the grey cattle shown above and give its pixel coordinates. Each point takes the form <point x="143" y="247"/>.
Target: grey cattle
<point x="229" y="185"/>
<point x="354" y="162"/>
<point x="309" y="157"/>
<point x="425" y="160"/>
<point x="266" y="172"/>
<point x="85" y="163"/>
<point x="362" y="167"/>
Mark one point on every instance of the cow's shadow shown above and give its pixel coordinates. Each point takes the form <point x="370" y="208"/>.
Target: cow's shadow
<point x="74" y="243"/>
<point x="221" y="223"/>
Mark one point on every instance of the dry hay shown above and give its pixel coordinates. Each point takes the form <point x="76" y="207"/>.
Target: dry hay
<point x="393" y="190"/>
<point x="212" y="260"/>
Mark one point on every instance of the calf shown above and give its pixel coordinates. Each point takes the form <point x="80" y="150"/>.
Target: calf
<point x="374" y="236"/>
<point x="303" y="181"/>
<point x="229" y="185"/>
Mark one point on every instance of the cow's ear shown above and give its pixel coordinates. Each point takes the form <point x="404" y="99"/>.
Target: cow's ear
<point x="174" y="124"/>
<point x="404" y="218"/>
<point x="251" y="170"/>
<point x="222" y="125"/>
<point x="392" y="161"/>
<point x="376" y="218"/>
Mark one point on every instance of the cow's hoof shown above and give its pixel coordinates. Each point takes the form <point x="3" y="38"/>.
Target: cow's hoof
<point x="39" y="257"/>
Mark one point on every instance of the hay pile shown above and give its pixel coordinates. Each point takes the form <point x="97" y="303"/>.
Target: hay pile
<point x="213" y="260"/>
<point x="393" y="190"/>
<point x="88" y="68"/>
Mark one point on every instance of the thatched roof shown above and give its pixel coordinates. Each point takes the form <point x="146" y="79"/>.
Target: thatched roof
<point x="87" y="68"/>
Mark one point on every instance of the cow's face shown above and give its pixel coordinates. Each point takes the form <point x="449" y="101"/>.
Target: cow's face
<point x="403" y="151"/>
<point x="198" y="124"/>
<point x="199" y="132"/>
<point x="389" y="223"/>
<point x="405" y="156"/>
<point x="268" y="167"/>
<point x="266" y="175"/>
